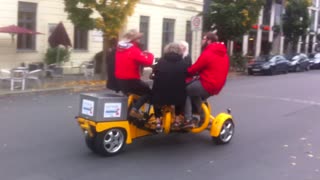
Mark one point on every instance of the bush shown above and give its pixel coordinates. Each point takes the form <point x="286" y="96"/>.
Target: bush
<point x="52" y="53"/>
<point x="238" y="62"/>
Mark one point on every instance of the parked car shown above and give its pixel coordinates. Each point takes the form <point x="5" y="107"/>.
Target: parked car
<point x="315" y="61"/>
<point x="299" y="62"/>
<point x="269" y="64"/>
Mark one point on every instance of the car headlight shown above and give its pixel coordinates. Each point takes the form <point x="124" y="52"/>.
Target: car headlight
<point x="293" y="63"/>
<point x="266" y="66"/>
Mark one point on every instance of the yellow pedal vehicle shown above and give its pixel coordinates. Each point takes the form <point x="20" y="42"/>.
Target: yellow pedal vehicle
<point x="107" y="127"/>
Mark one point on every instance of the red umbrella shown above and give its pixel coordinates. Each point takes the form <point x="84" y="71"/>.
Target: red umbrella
<point x="13" y="29"/>
<point x="59" y="37"/>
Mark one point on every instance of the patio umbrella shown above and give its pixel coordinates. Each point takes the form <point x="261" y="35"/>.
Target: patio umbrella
<point x="13" y="29"/>
<point x="59" y="37"/>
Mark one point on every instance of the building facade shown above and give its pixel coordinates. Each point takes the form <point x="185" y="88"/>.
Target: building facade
<point x="162" y="21"/>
<point x="265" y="34"/>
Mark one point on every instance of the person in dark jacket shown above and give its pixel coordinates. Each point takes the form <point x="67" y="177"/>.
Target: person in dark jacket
<point x="169" y="86"/>
<point x="129" y="59"/>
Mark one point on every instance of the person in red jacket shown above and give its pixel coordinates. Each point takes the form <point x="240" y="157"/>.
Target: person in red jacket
<point x="212" y="68"/>
<point x="129" y="59"/>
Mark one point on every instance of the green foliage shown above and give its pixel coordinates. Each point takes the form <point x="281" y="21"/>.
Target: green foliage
<point x="296" y="19"/>
<point x="53" y="56"/>
<point x="232" y="19"/>
<point x="109" y="16"/>
<point x="238" y="62"/>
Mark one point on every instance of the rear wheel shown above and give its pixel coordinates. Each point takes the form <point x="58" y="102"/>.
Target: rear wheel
<point x="90" y="144"/>
<point x="226" y="133"/>
<point x="110" y="142"/>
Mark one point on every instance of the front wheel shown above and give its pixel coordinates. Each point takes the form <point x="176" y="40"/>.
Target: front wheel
<point x="110" y="142"/>
<point x="226" y="133"/>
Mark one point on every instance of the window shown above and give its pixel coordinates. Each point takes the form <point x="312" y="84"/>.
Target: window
<point x="167" y="31"/>
<point x="51" y="28"/>
<point x="80" y="39"/>
<point x="312" y="18"/>
<point x="27" y="19"/>
<point x="189" y="36"/>
<point x="144" y="28"/>
<point x="267" y="12"/>
<point x="314" y="3"/>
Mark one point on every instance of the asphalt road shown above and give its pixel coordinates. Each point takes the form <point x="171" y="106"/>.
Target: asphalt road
<point x="277" y="138"/>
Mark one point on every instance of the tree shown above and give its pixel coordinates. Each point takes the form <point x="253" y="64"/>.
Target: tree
<point x="109" y="16"/>
<point x="296" y="21"/>
<point x="232" y="18"/>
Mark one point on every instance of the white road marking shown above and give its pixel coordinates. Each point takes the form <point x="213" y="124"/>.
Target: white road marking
<point x="292" y="100"/>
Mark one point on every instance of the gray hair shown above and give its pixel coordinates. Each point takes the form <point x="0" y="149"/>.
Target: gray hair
<point x="185" y="46"/>
<point x="173" y="48"/>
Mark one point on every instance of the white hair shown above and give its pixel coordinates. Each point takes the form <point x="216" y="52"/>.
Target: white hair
<point x="173" y="48"/>
<point x="184" y="45"/>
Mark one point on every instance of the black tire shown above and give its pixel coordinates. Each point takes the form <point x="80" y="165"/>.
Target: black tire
<point x="221" y="139"/>
<point x="308" y="68"/>
<point x="298" y="69"/>
<point x="90" y="144"/>
<point x="250" y="72"/>
<point x="104" y="149"/>
<point x="272" y="71"/>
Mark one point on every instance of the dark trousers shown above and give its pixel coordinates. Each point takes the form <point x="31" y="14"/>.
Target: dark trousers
<point x="138" y="87"/>
<point x="158" y="113"/>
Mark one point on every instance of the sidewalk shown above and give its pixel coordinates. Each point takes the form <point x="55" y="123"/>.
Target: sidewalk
<point x="70" y="83"/>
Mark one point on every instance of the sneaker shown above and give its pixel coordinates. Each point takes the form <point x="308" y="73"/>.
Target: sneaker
<point x="188" y="124"/>
<point x="136" y="114"/>
<point x="191" y="123"/>
<point x="158" y="126"/>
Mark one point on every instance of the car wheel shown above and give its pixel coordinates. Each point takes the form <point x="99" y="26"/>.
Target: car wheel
<point x="226" y="133"/>
<point x="298" y="69"/>
<point x="250" y="72"/>
<point x="90" y="144"/>
<point x="272" y="71"/>
<point x="110" y="142"/>
<point x="307" y="68"/>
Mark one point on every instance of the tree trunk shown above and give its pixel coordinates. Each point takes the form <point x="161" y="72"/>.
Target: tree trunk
<point x="103" y="73"/>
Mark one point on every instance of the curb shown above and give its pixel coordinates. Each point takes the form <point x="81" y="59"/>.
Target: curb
<point x="76" y="88"/>
<point x="51" y="91"/>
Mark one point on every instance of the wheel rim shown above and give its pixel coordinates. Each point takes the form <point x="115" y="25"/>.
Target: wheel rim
<point x="227" y="131"/>
<point x="113" y="140"/>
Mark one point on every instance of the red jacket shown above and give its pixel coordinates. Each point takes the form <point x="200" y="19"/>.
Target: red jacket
<point x="213" y="67"/>
<point x="129" y="58"/>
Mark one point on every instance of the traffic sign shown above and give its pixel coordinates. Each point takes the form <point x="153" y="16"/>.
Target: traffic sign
<point x="196" y="23"/>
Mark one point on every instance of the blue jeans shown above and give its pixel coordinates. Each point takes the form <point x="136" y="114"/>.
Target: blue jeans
<point x="195" y="94"/>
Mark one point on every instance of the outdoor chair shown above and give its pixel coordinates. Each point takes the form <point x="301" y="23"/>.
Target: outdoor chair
<point x="18" y="76"/>
<point x="54" y="70"/>
<point x="35" y="76"/>
<point x="88" y="69"/>
<point x="5" y="75"/>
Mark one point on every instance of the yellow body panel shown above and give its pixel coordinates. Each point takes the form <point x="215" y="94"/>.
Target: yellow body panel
<point x="217" y="123"/>
<point x="136" y="132"/>
<point x="167" y="119"/>
<point x="131" y="130"/>
<point x="205" y="122"/>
